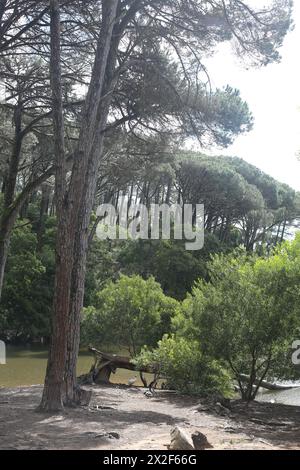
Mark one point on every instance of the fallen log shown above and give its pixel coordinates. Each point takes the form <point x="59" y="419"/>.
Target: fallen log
<point x="268" y="385"/>
<point x="106" y="364"/>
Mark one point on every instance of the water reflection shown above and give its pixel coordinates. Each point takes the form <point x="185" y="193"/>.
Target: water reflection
<point x="27" y="366"/>
<point x="287" y="397"/>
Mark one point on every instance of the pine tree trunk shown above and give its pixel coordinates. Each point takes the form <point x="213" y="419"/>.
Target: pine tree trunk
<point x="53" y="393"/>
<point x="73" y="392"/>
<point x="74" y="210"/>
<point x="74" y="395"/>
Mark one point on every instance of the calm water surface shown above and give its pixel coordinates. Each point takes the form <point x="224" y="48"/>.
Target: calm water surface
<point x="27" y="366"/>
<point x="287" y="397"/>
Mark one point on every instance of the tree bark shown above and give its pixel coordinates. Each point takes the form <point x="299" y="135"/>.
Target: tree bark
<point x="74" y="210"/>
<point x="52" y="399"/>
<point x="110" y="42"/>
<point x="73" y="392"/>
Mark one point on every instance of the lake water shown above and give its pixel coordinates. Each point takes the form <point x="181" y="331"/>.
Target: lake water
<point x="287" y="397"/>
<point x="28" y="367"/>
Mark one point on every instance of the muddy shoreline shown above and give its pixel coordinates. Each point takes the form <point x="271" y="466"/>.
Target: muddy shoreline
<point x="120" y="418"/>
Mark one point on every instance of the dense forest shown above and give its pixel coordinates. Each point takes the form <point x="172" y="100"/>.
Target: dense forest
<point x="104" y="99"/>
<point x="243" y="208"/>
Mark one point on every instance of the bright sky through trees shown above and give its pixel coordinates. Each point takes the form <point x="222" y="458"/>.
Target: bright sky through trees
<point x="273" y="94"/>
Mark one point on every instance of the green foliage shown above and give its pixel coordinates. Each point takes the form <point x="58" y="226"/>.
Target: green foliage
<point x="102" y="267"/>
<point x="129" y="313"/>
<point x="243" y="205"/>
<point x="172" y="266"/>
<point x="175" y="268"/>
<point x="184" y="367"/>
<point x="27" y="293"/>
<point x="247" y="314"/>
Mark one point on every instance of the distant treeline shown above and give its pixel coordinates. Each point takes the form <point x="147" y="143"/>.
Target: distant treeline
<point x="243" y="206"/>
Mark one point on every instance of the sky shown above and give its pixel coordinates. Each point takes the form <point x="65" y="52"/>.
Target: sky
<point x="273" y="95"/>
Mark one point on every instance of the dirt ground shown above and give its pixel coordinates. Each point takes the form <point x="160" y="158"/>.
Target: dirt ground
<point x="124" y="418"/>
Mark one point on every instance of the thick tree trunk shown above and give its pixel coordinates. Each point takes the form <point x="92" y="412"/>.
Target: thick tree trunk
<point x="53" y="393"/>
<point x="60" y="382"/>
<point x="73" y="392"/>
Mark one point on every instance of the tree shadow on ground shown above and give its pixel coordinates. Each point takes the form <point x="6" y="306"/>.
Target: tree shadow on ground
<point x="276" y="423"/>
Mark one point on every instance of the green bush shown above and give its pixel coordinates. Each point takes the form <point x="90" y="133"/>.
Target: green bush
<point x="130" y="313"/>
<point x="184" y="367"/>
<point x="27" y="292"/>
<point x="247" y="315"/>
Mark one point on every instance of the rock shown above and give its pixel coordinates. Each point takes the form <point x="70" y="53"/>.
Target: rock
<point x="200" y="441"/>
<point x="113" y="435"/>
<point x="230" y="429"/>
<point x="84" y="396"/>
<point x="203" y="409"/>
<point x="222" y="410"/>
<point x="101" y="407"/>
<point x="226" y="402"/>
<point x="181" y="440"/>
<point x="107" y="435"/>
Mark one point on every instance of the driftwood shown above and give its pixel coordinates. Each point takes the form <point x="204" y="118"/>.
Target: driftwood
<point x="268" y="385"/>
<point x="107" y="364"/>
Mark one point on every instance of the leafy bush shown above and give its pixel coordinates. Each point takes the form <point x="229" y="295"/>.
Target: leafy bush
<point x="184" y="367"/>
<point x="247" y="315"/>
<point x="27" y="293"/>
<point x="131" y="313"/>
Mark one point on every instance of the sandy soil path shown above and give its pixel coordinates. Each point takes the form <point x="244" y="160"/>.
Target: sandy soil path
<point x="124" y="418"/>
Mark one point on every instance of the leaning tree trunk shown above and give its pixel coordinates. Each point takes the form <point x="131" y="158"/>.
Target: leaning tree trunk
<point x="75" y="395"/>
<point x="69" y="276"/>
